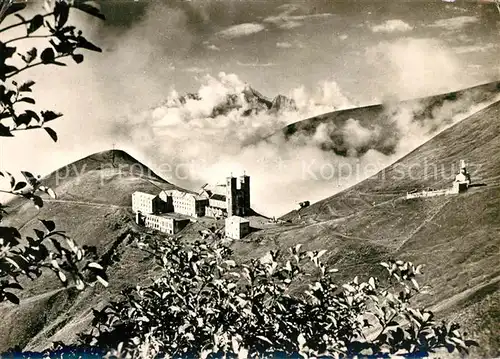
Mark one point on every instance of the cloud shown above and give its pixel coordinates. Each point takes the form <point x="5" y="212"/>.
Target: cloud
<point x="326" y="97"/>
<point x="343" y="37"/>
<point x="395" y="25"/>
<point x="307" y="17"/>
<point x="196" y="69"/>
<point x="213" y="47"/>
<point x="474" y="48"/>
<point x="284" y="45"/>
<point x="241" y="30"/>
<point x="231" y="142"/>
<point x="255" y="64"/>
<point x="415" y="67"/>
<point x="455" y="23"/>
<point x="288" y="25"/>
<point x="285" y="20"/>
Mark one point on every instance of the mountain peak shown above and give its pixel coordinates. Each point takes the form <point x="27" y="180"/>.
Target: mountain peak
<point x="114" y="155"/>
<point x="248" y="99"/>
<point x="113" y="162"/>
<point x="282" y="102"/>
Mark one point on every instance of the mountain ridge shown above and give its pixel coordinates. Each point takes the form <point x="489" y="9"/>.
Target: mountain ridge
<point x="249" y="100"/>
<point x="433" y="112"/>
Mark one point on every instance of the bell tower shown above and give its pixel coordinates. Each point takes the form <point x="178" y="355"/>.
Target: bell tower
<point x="245" y="194"/>
<point x="231" y="200"/>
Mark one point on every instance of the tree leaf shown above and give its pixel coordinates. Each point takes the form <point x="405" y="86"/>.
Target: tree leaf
<point x="61" y="13"/>
<point x="15" y="286"/>
<point x="26" y="87"/>
<point x="85" y="44"/>
<point x="15" y="7"/>
<point x="264" y="339"/>
<point x="51" y="133"/>
<point x="31" y="56"/>
<point x="39" y="233"/>
<point x="321" y="253"/>
<point x="415" y="284"/>
<point x="7" y="69"/>
<point x="26" y="99"/>
<point x="30" y="178"/>
<point x="89" y="9"/>
<point x="35" y="23"/>
<point x="471" y="343"/>
<point x="50" y="115"/>
<point x="5" y="131"/>
<point x="79" y="284"/>
<point x="301" y="340"/>
<point x="78" y="58"/>
<point x="48" y="56"/>
<point x="4" y="115"/>
<point x="9" y="233"/>
<point x="7" y="52"/>
<point x="12" y="297"/>
<point x="49" y="191"/>
<point x="37" y="201"/>
<point x="95" y="265"/>
<point x="102" y="281"/>
<point x="62" y="277"/>
<point x="26" y="117"/>
<point x="371" y="281"/>
<point x="20" y="185"/>
<point x="50" y="225"/>
<point x="12" y="179"/>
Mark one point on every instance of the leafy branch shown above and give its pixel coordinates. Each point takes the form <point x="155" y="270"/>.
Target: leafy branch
<point x="48" y="249"/>
<point x="70" y="263"/>
<point x="28" y="37"/>
<point x="64" y="40"/>
<point x="41" y="62"/>
<point x="23" y="22"/>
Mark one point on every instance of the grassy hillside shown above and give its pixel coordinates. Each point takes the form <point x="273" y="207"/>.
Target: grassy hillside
<point x="456" y="237"/>
<point x="93" y="208"/>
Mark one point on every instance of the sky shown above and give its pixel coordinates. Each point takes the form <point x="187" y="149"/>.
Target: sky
<point x="327" y="55"/>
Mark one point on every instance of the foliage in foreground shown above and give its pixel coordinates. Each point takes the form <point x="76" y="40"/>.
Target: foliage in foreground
<point x="206" y="303"/>
<point x="48" y="248"/>
<point x="58" y="352"/>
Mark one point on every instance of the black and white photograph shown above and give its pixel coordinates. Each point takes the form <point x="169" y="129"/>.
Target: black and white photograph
<point x="249" y="179"/>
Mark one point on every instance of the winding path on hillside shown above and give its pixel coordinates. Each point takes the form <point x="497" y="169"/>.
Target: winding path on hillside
<point x="85" y="203"/>
<point x="424" y="223"/>
<point x="462" y="296"/>
<point x="37" y="297"/>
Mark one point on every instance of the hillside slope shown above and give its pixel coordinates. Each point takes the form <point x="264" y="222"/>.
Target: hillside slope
<point x="93" y="208"/>
<point x="457" y="237"/>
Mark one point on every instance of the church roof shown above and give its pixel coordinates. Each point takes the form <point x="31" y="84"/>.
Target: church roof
<point x="218" y="197"/>
<point x="237" y="219"/>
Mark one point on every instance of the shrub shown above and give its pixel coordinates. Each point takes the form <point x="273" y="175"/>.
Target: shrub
<point x="205" y="304"/>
